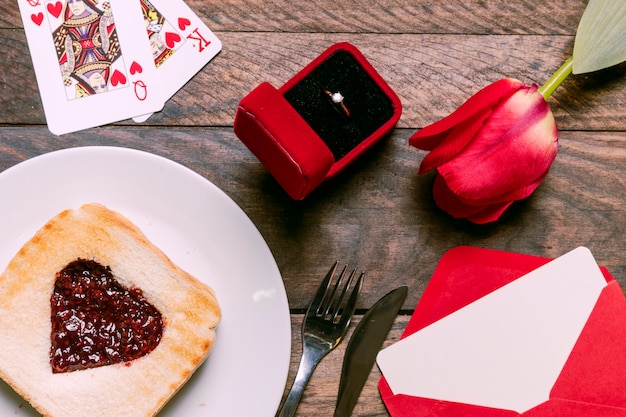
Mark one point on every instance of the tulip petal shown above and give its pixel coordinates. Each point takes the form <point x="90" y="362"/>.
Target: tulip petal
<point x="450" y="203"/>
<point x="455" y="141"/>
<point x="430" y="136"/>
<point x="512" y="195"/>
<point x="489" y="214"/>
<point x="515" y="147"/>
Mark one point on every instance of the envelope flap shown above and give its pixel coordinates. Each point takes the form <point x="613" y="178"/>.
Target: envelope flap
<point x="595" y="369"/>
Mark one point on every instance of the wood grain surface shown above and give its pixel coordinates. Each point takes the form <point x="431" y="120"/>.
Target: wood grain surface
<point x="378" y="213"/>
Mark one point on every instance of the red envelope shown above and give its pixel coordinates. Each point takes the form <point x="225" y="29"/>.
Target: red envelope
<point x="591" y="384"/>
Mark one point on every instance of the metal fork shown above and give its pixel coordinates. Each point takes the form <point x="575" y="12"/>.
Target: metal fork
<point x="325" y="324"/>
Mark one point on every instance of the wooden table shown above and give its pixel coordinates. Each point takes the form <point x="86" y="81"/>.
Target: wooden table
<point x="378" y="214"/>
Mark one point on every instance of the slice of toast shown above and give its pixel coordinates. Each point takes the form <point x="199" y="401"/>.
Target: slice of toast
<point x="137" y="388"/>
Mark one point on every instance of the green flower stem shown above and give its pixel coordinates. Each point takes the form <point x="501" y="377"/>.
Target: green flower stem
<point x="557" y="78"/>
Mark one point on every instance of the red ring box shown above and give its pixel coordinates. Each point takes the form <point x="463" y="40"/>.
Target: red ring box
<point x="301" y="135"/>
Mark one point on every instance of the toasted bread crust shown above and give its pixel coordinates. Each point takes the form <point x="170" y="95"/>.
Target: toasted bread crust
<point x="189" y="308"/>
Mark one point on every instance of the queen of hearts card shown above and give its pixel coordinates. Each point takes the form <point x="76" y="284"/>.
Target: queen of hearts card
<point x="87" y="46"/>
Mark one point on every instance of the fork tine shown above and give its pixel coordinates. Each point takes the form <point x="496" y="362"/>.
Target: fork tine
<point x="348" y="310"/>
<point x="331" y="300"/>
<point x="318" y="299"/>
<point x="335" y="307"/>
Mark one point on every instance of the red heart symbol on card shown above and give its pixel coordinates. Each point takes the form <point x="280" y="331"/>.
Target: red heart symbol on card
<point x="37" y="18"/>
<point x="171" y="39"/>
<point x="55" y="9"/>
<point x="135" y="68"/>
<point x="183" y="22"/>
<point x="93" y="316"/>
<point x="117" y="78"/>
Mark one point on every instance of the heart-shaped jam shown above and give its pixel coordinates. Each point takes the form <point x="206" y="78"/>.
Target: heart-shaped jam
<point x="96" y="321"/>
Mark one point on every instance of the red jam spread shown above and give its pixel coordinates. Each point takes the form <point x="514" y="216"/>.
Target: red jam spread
<point x="96" y="321"/>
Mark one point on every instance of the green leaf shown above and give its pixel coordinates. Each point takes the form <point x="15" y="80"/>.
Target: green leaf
<point x="601" y="37"/>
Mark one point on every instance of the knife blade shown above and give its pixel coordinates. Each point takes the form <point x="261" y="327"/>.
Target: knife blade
<point x="365" y="343"/>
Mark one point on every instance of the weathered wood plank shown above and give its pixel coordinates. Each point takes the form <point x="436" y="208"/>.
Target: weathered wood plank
<point x="395" y="16"/>
<point x="432" y="74"/>
<point x="559" y="17"/>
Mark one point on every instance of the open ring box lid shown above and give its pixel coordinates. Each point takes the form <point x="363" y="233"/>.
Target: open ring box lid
<point x="301" y="135"/>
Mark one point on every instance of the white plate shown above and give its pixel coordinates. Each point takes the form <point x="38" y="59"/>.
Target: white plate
<point x="200" y="229"/>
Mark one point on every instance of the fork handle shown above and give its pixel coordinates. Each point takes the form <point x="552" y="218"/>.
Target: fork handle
<point x="309" y="360"/>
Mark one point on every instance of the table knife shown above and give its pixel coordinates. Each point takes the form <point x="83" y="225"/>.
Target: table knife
<point x="364" y="345"/>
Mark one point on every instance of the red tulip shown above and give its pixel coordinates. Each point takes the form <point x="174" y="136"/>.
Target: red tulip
<point x="493" y="150"/>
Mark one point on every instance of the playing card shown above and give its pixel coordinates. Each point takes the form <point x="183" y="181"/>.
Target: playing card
<point x="180" y="42"/>
<point x="92" y="61"/>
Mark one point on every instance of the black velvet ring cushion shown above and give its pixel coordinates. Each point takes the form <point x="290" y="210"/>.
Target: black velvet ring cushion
<point x="367" y="107"/>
